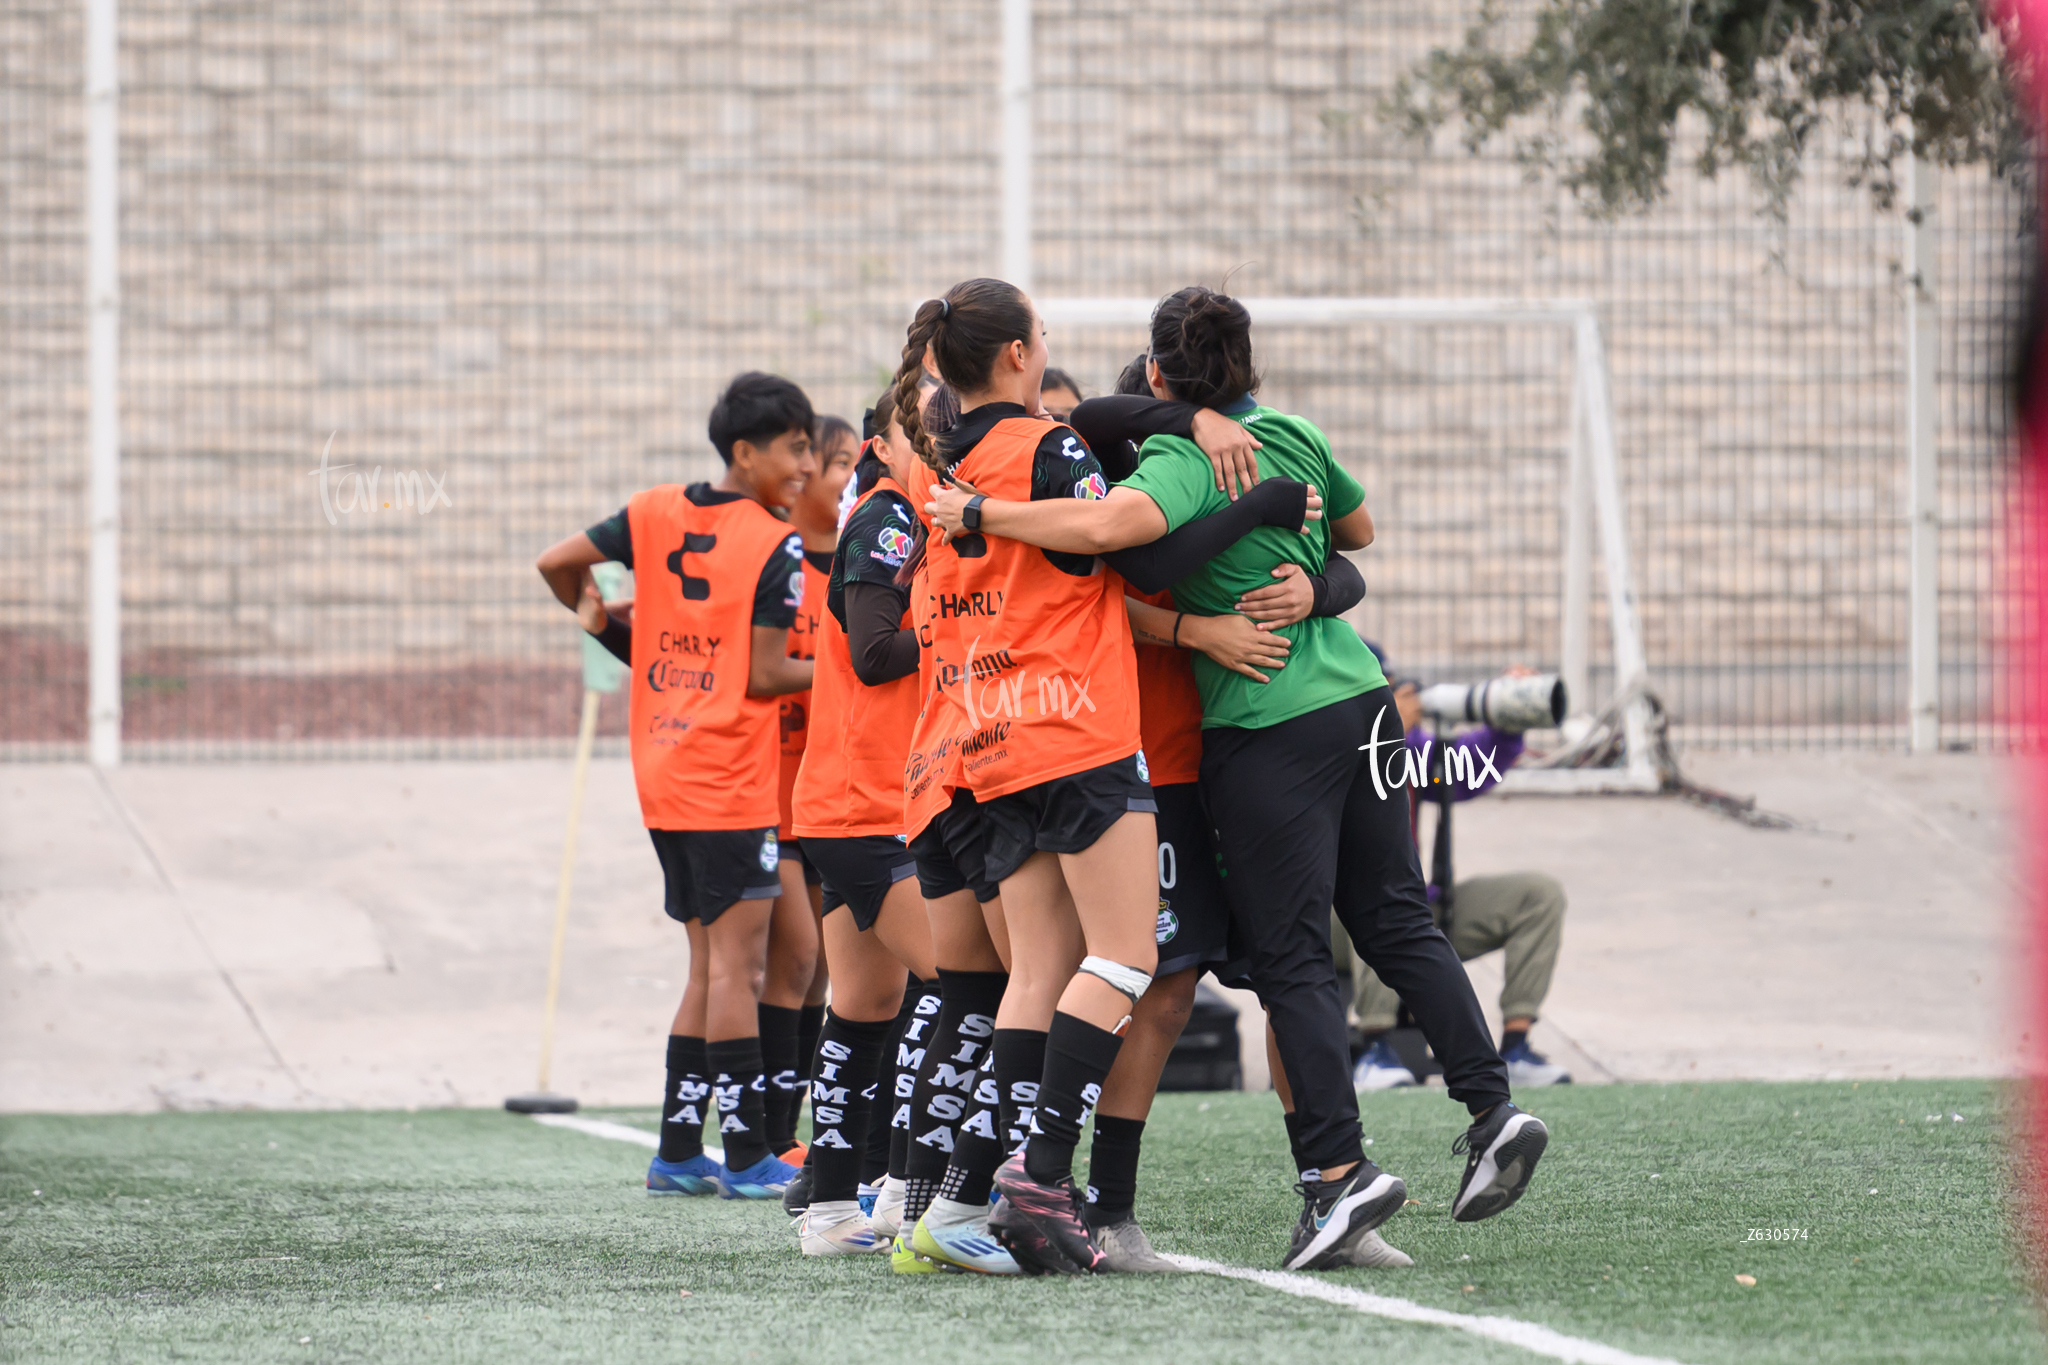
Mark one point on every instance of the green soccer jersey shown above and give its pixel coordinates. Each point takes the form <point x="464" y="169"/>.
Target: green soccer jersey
<point x="1327" y="661"/>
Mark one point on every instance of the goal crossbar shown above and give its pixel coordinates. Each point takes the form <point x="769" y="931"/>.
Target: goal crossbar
<point x="1593" y="490"/>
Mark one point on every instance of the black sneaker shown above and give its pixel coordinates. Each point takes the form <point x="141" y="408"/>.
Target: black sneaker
<point x="1500" y="1151"/>
<point x="1042" y="1224"/>
<point x="1337" y="1213"/>
<point x="796" y="1197"/>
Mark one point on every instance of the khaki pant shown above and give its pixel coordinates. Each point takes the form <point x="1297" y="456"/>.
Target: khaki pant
<point x="1521" y="912"/>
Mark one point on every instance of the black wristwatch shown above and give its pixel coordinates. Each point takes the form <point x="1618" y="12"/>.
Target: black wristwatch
<point x="970" y="515"/>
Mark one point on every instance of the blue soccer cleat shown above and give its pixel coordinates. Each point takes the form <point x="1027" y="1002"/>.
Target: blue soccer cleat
<point x="698" y="1175"/>
<point x="765" y="1179"/>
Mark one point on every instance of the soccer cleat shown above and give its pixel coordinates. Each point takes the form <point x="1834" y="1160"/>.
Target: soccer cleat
<point x="797" y="1197"/>
<point x="1372" y="1251"/>
<point x="1528" y="1068"/>
<point x="865" y="1197"/>
<point x="797" y="1155"/>
<point x="904" y="1260"/>
<point x="1500" y="1151"/>
<point x="1042" y="1224"/>
<point x="834" y="1227"/>
<point x="698" y="1175"/>
<point x="1380" y="1068"/>
<point x="887" y="1218"/>
<point x="1337" y="1213"/>
<point x="765" y="1179"/>
<point x="946" y="1236"/>
<point x="1126" y="1250"/>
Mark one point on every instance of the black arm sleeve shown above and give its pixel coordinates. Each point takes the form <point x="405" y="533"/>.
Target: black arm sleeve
<point x="1338" y="588"/>
<point x="1175" y="555"/>
<point x="881" y="652"/>
<point x="1117" y="423"/>
<point x="617" y="637"/>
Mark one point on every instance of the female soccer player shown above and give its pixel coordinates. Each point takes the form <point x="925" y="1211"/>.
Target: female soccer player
<point x="715" y="595"/>
<point x="948" y="839"/>
<point x="1037" y="650"/>
<point x="1304" y="818"/>
<point x="1193" y="927"/>
<point x="849" y="814"/>
<point x="795" y="979"/>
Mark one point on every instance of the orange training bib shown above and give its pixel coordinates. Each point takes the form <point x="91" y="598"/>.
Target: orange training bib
<point x="704" y="752"/>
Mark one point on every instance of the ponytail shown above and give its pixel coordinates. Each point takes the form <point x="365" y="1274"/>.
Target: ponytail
<point x="903" y="392"/>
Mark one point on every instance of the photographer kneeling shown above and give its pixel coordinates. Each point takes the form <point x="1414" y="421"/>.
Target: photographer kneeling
<point x="1520" y="913"/>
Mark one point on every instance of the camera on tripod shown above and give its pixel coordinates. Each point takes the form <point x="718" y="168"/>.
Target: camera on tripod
<point x="1533" y="701"/>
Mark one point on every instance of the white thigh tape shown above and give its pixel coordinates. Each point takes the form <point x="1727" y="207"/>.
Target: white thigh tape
<point x="1132" y="982"/>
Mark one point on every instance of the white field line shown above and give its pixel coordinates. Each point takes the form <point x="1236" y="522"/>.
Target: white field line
<point x="1527" y="1335"/>
<point x="617" y="1132"/>
<point x="1514" y="1332"/>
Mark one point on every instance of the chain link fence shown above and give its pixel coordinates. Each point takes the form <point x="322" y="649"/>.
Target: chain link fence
<point x="410" y="291"/>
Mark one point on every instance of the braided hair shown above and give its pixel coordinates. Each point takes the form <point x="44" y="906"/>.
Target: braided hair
<point x="962" y="331"/>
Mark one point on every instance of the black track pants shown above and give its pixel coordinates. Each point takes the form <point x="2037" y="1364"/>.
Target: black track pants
<point x="1302" y="826"/>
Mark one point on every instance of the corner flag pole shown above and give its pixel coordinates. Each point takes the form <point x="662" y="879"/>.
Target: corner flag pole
<point x="601" y="674"/>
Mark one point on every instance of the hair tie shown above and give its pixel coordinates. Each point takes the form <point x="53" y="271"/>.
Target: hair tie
<point x="945" y="309"/>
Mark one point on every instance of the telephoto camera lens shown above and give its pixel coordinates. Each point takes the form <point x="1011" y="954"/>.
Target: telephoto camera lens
<point x="1511" y="705"/>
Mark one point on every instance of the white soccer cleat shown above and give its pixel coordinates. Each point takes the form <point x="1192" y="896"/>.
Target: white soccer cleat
<point x="1372" y="1251"/>
<point x="836" y="1228"/>
<point x="887" y="1219"/>
<point x="1379" y="1068"/>
<point x="957" y="1235"/>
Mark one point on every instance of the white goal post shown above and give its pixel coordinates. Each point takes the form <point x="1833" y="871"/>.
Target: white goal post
<point x="1593" y="485"/>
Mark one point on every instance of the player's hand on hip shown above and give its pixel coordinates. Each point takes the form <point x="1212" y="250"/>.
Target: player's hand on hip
<point x="1237" y="644"/>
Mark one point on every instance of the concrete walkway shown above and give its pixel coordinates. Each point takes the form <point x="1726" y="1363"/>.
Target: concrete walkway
<point x="375" y="934"/>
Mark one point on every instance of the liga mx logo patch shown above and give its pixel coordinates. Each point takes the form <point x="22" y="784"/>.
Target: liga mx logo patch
<point x="1144" y="772"/>
<point x="769" y="852"/>
<point x="1169" y="925"/>
<point x="892" y="547"/>
<point x="1092" y="489"/>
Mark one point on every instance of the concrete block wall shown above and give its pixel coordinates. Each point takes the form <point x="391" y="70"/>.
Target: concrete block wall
<point x="517" y="247"/>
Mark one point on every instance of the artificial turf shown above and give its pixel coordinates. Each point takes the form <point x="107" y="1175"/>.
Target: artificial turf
<point x="463" y="1235"/>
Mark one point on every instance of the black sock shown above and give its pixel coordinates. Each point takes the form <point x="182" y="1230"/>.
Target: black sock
<point x="849" y="1059"/>
<point x="810" y="1022"/>
<point x="683" y="1101"/>
<point x="1113" y="1169"/>
<point x="1020" y="1061"/>
<point x="736" y="1080"/>
<point x="977" y="1147"/>
<point x="889" y="1120"/>
<point x="1513" y="1038"/>
<point x="874" y="1147"/>
<point x="782" y="1098"/>
<point x="1077" y="1057"/>
<point x="967" y="1020"/>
